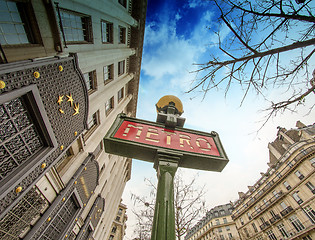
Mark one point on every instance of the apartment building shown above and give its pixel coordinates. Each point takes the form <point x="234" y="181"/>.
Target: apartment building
<point x="280" y="205"/>
<point x="118" y="229"/>
<point x="67" y="69"/>
<point x="217" y="224"/>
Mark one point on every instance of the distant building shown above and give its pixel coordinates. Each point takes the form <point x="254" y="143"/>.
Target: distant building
<point x="67" y="68"/>
<point x="217" y="224"/>
<point x="280" y="205"/>
<point x="118" y="229"/>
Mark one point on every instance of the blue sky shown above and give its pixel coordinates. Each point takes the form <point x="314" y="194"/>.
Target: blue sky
<point x="177" y="35"/>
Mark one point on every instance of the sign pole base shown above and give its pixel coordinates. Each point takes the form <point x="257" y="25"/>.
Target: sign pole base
<point x="164" y="214"/>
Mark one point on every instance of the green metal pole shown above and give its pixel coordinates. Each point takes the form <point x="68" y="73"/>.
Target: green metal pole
<point x="164" y="213"/>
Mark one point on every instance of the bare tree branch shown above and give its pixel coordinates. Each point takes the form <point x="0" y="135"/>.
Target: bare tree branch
<point x="261" y="50"/>
<point x="188" y="202"/>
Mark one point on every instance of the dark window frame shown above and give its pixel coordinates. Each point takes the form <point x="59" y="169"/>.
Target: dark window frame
<point x="87" y="29"/>
<point x="96" y="122"/>
<point x="122" y="35"/>
<point x="92" y="81"/>
<point x="109" y="32"/>
<point x="110" y="73"/>
<point x="29" y="22"/>
<point x="121" y="67"/>
<point x="109" y="108"/>
<point x="121" y="94"/>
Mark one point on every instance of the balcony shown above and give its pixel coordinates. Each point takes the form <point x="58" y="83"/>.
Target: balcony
<point x="286" y="211"/>
<point x="264" y="225"/>
<point x="267" y="204"/>
<point x="274" y="218"/>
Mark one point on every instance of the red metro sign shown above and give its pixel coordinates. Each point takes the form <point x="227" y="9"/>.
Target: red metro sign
<point x="140" y="139"/>
<point x="166" y="138"/>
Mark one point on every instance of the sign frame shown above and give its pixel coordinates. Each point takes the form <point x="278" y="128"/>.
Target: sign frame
<point x="147" y="152"/>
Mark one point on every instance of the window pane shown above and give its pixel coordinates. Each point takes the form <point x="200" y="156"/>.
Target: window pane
<point x="73" y="26"/>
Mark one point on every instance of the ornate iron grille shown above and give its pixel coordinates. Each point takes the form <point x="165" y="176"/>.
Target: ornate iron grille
<point x="63" y="218"/>
<point x="18" y="221"/>
<point x="19" y="140"/>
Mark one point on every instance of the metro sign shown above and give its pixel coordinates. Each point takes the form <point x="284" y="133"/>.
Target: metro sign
<point x="140" y="139"/>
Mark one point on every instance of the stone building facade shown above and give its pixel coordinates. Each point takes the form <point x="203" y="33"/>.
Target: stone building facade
<point x="217" y="224"/>
<point x="280" y="205"/>
<point x="118" y="229"/>
<point x="67" y="69"/>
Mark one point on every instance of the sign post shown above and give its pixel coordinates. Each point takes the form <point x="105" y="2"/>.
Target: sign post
<point x="169" y="146"/>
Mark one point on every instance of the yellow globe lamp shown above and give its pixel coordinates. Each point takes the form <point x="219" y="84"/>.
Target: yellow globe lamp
<point x="165" y="101"/>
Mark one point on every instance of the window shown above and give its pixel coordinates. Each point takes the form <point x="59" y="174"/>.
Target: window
<point x="271" y="235"/>
<point x="108" y="73"/>
<point x="296" y="223"/>
<point x="114" y="229"/>
<point x="262" y="220"/>
<point x="65" y="159"/>
<point x="98" y="149"/>
<point x="246" y="232"/>
<point x="63" y="219"/>
<point x="228" y="228"/>
<point x="297" y="198"/>
<point x="254" y="227"/>
<point x="111" y="237"/>
<point x="307" y="237"/>
<point x="120" y="94"/>
<point x="265" y="202"/>
<point x="312" y="161"/>
<point x="121" y="67"/>
<point x="249" y="216"/>
<point x="283" y="205"/>
<point x="220" y="229"/>
<point x="34" y="204"/>
<point x="230" y="235"/>
<point x="107" y="32"/>
<point x="276" y="194"/>
<point x="15" y="23"/>
<point x="283" y="230"/>
<point x="242" y="222"/>
<point x="224" y="220"/>
<point x="122" y="35"/>
<point x="123" y="3"/>
<point x="109" y="105"/>
<point x="278" y="175"/>
<point x="217" y="221"/>
<point x="311" y="187"/>
<point x="287" y="185"/>
<point x="117" y="219"/>
<point x="90" y="81"/>
<point x="77" y="27"/>
<point x="272" y="213"/>
<point x="299" y="174"/>
<point x="120" y="211"/>
<point x="93" y="121"/>
<point x="310" y="213"/>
